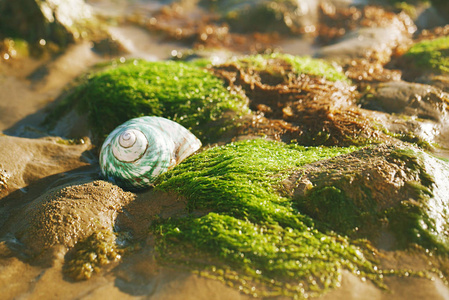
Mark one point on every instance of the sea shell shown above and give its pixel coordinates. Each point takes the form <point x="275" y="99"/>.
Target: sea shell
<point x="141" y="149"/>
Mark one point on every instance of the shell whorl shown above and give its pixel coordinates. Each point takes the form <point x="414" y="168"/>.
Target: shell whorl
<point x="132" y="144"/>
<point x="127" y="138"/>
<point x="138" y="151"/>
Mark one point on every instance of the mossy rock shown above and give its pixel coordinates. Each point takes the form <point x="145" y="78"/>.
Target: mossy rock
<point x="92" y="253"/>
<point x="281" y="64"/>
<point x="282" y="16"/>
<point x="182" y="92"/>
<point x="431" y="55"/>
<point x="243" y="229"/>
<point x="60" y="22"/>
<point x="299" y="98"/>
<point x="398" y="189"/>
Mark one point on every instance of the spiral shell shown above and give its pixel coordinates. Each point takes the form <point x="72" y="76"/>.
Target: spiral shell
<point x="138" y="151"/>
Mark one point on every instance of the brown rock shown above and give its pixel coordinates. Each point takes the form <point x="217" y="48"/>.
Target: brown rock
<point x="67" y="215"/>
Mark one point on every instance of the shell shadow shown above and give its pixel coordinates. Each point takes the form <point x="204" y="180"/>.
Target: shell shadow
<point x="139" y="273"/>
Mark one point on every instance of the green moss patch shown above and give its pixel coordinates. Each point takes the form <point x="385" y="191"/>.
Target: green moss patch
<point x="241" y="174"/>
<point x="410" y="137"/>
<point x="91" y="254"/>
<point x="431" y="54"/>
<point x="179" y="91"/>
<point x="254" y="235"/>
<point x="295" y="64"/>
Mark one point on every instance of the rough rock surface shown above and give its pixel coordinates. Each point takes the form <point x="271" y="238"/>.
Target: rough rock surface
<point x="388" y="186"/>
<point x="67" y="215"/>
<point x="412" y="99"/>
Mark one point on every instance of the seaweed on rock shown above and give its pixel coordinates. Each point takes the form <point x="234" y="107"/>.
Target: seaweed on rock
<point x="278" y="219"/>
<point x="431" y="55"/>
<point x="89" y="255"/>
<point x="179" y="91"/>
<point x="387" y="188"/>
<point x="299" y="98"/>
<point x="249" y="234"/>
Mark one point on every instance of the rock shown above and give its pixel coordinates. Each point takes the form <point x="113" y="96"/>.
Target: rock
<point x="396" y="188"/>
<point x="362" y="39"/>
<point x="58" y="21"/>
<point x="110" y="47"/>
<point x="3" y="180"/>
<point x="411" y="99"/>
<point x="69" y="214"/>
<point x="412" y="112"/>
<point x="441" y="6"/>
<point x="430" y="18"/>
<point x="289" y="16"/>
<point x="23" y="161"/>
<point x="373" y="43"/>
<point x="426" y="58"/>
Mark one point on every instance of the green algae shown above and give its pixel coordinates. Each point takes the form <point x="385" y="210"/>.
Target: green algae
<point x="96" y="251"/>
<point x="250" y="228"/>
<point x="298" y="64"/>
<point x="179" y="91"/>
<point x="410" y="137"/>
<point x="373" y="190"/>
<point x="413" y="218"/>
<point x="242" y="176"/>
<point x="331" y="205"/>
<point x="281" y="260"/>
<point x="431" y="54"/>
